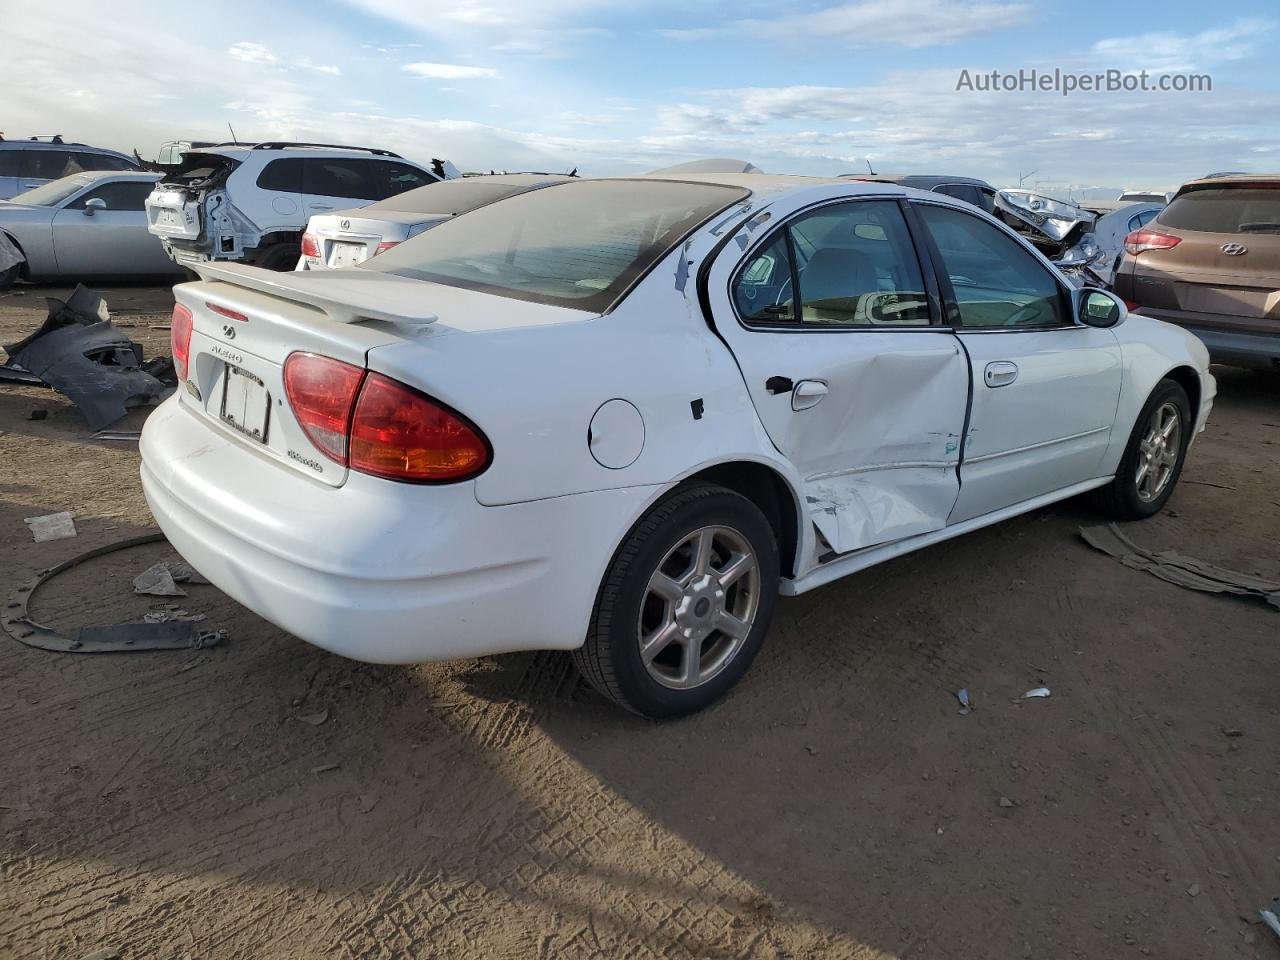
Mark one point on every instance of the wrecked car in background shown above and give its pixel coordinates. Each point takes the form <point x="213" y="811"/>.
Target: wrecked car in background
<point x="971" y="190"/>
<point x="1052" y="226"/>
<point x="345" y="238"/>
<point x="1096" y="256"/>
<point x="252" y="203"/>
<point x="620" y="416"/>
<point x="85" y="225"/>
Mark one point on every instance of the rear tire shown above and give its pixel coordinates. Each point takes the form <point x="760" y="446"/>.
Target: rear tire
<point x="1153" y="459"/>
<point x="684" y="605"/>
<point x="280" y="257"/>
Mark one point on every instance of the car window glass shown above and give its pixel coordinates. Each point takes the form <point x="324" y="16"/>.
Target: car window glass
<point x="1142" y="219"/>
<point x="51" y="164"/>
<point x="857" y="267"/>
<point x="392" y="178"/>
<point x="10" y="163"/>
<point x="284" y="175"/>
<point x="122" y="195"/>
<point x="997" y="282"/>
<point x="762" y="292"/>
<point x="339" y="177"/>
<point x="961" y="191"/>
<point x="1225" y="210"/>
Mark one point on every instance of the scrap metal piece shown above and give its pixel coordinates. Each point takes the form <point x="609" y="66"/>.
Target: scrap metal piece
<point x="1271" y="916"/>
<point x="17" y="623"/>
<point x="1039" y="693"/>
<point x="52" y="526"/>
<point x="1175" y="568"/>
<point x="157" y="581"/>
<point x="80" y="354"/>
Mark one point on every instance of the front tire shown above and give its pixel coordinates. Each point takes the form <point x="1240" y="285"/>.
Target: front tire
<point x="1153" y="459"/>
<point x="684" y="605"/>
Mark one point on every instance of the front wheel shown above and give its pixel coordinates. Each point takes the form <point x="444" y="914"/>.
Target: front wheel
<point x="1152" y="461"/>
<point x="684" y="605"/>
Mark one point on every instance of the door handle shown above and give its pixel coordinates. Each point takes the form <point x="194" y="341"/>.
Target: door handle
<point x="808" y="393"/>
<point x="1000" y="373"/>
<point x="320" y="206"/>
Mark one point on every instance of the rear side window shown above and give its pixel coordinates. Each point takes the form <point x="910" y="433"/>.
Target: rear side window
<point x="340" y="177"/>
<point x="123" y="195"/>
<point x="580" y="245"/>
<point x="961" y="191"/>
<point x="283" y="175"/>
<point x="1225" y="210"/>
<point x="391" y="178"/>
<point x="1142" y="219"/>
<point x="855" y="265"/>
<point x="997" y="282"/>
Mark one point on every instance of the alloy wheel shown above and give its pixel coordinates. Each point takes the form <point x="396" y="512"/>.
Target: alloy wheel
<point x="1158" y="452"/>
<point x="699" y="607"/>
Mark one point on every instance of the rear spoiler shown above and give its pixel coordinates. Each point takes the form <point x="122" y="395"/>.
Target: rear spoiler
<point x="345" y="296"/>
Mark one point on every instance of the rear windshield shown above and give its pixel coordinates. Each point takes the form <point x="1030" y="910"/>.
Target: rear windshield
<point x="1225" y="210"/>
<point x="578" y="245"/>
<point x="450" y="197"/>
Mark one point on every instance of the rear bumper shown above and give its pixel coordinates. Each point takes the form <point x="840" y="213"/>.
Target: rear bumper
<point x="375" y="570"/>
<point x="1235" y="347"/>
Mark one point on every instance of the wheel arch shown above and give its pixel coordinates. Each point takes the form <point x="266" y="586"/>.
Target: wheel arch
<point x="24" y="268"/>
<point x="1187" y="378"/>
<point x="767" y="489"/>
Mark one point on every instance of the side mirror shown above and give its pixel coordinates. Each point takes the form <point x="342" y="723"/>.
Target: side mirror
<point x="1099" y="308"/>
<point x="93" y="205"/>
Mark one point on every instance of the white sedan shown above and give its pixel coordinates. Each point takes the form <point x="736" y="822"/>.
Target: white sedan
<point x="85" y="225"/>
<point x="621" y="416"/>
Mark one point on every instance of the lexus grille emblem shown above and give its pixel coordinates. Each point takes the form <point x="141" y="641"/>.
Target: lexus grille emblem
<point x="228" y="331"/>
<point x="345" y="224"/>
<point x="1234" y="249"/>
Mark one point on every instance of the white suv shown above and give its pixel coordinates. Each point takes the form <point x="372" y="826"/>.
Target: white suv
<point x="251" y="203"/>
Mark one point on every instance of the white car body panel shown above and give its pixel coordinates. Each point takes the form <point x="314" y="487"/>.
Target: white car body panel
<point x="513" y="559"/>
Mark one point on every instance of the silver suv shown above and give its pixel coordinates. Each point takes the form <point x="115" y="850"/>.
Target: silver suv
<point x="27" y="164"/>
<point x="252" y="203"/>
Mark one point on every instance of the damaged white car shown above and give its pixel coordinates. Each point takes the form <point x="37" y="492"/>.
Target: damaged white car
<point x="252" y="203"/>
<point x="621" y="416"/>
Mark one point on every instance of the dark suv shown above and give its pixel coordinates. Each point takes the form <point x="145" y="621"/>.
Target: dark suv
<point x="27" y="164"/>
<point x="1210" y="262"/>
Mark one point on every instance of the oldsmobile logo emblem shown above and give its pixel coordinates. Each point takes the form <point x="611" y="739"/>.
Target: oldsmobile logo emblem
<point x="345" y="224"/>
<point x="1233" y="249"/>
<point x="228" y="331"/>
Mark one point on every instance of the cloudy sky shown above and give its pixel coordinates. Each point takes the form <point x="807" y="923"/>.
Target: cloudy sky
<point x="619" y="87"/>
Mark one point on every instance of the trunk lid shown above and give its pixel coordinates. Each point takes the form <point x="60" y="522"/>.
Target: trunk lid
<point x="346" y="238"/>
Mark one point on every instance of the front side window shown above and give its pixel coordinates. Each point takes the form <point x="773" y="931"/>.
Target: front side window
<point x="854" y="265"/>
<point x="122" y="195"/>
<point x="391" y="178"/>
<point x="10" y="163"/>
<point x="51" y="164"/>
<point x="580" y="245"/>
<point x="997" y="282"/>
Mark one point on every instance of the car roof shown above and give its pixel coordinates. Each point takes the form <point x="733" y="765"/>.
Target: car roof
<point x="921" y="181"/>
<point x="1266" y="179"/>
<point x="50" y="145"/>
<point x="239" y="151"/>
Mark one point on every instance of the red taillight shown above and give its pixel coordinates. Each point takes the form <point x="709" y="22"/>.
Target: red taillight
<point x="378" y="426"/>
<point x="321" y="392"/>
<point x="400" y="434"/>
<point x="227" y="312"/>
<point x="384" y="246"/>
<point x="180" y="339"/>
<point x="310" y="245"/>
<point x="1141" y="240"/>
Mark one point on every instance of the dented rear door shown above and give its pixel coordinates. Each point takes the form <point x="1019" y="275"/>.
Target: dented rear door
<point x="854" y="380"/>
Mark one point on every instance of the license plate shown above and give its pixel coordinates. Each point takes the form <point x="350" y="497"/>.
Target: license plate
<point x="246" y="405"/>
<point x="347" y="254"/>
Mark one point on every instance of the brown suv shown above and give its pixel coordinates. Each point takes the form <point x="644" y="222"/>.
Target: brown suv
<point x="1210" y="262"/>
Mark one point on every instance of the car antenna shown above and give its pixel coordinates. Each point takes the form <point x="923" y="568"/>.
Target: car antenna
<point x="869" y="167"/>
<point x="233" y="132"/>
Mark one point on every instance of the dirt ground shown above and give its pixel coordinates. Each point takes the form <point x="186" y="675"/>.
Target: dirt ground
<point x="265" y="799"/>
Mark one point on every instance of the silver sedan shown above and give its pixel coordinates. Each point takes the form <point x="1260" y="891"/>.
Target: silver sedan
<point x="85" y="225"/>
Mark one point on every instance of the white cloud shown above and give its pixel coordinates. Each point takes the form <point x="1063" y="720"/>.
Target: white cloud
<point x="306" y="64"/>
<point x="1172" y="52"/>
<point x="251" y="52"/>
<point x="907" y="23"/>
<point x="449" y="71"/>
